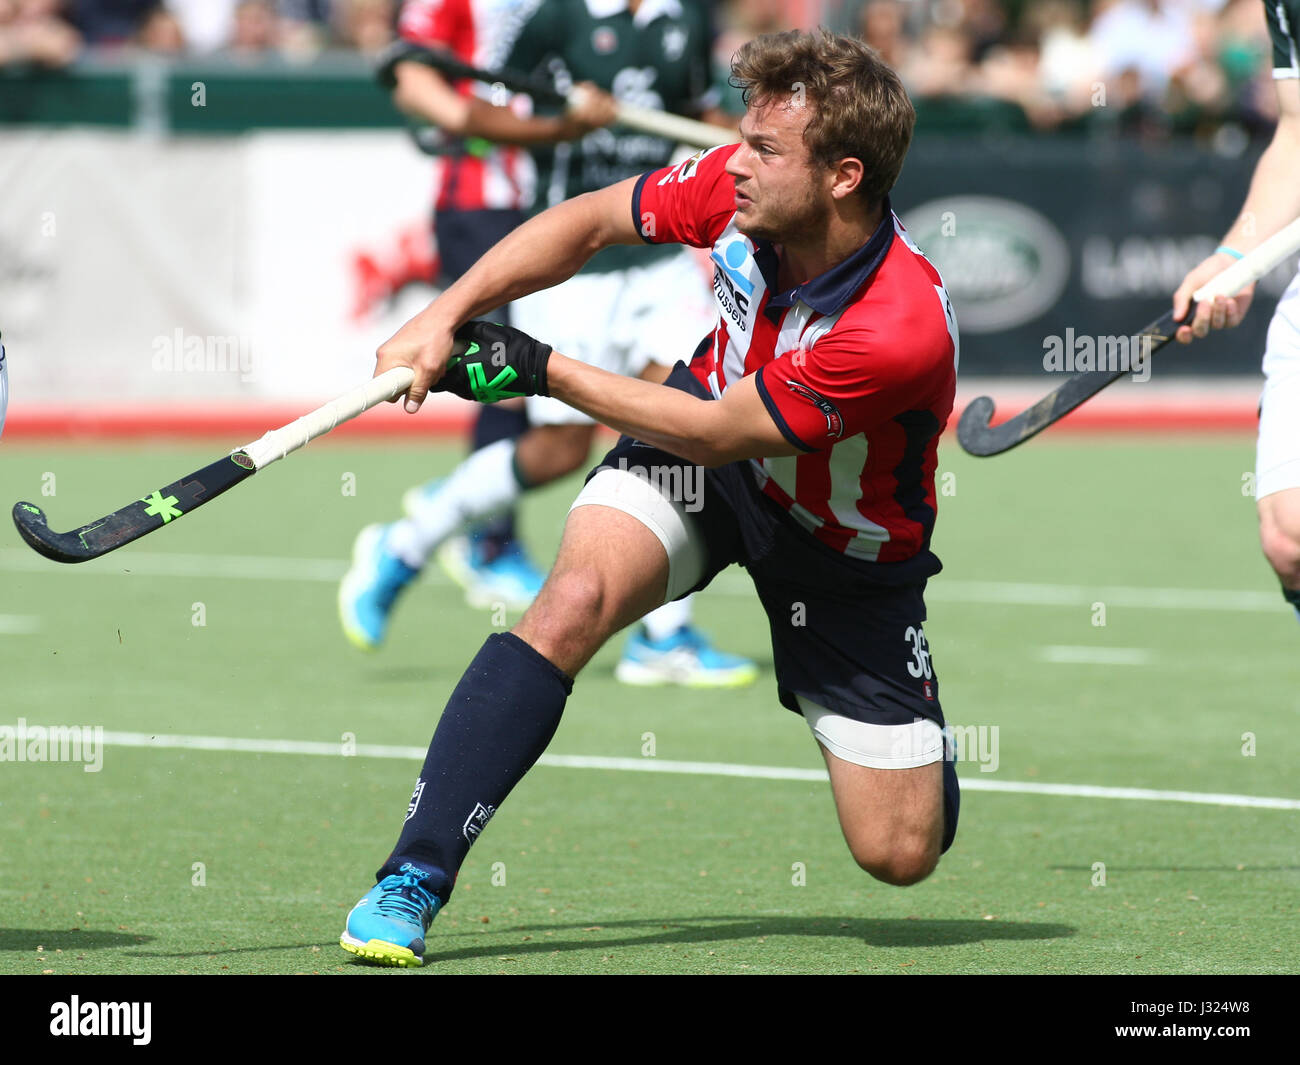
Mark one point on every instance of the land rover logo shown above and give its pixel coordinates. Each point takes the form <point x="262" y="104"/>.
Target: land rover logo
<point x="1002" y="263"/>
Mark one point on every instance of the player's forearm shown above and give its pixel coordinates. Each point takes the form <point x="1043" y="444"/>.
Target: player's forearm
<point x="666" y="418"/>
<point x="502" y="126"/>
<point x="1274" y="197"/>
<point x="424" y="94"/>
<point x="547" y="249"/>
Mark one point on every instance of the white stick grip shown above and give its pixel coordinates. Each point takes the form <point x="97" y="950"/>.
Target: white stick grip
<point x="1253" y="265"/>
<point x="277" y="443"/>
<point x="662" y="124"/>
<point x="676" y="127"/>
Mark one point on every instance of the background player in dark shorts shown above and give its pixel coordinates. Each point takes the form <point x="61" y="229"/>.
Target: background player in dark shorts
<point x="484" y="182"/>
<point x="653" y="54"/>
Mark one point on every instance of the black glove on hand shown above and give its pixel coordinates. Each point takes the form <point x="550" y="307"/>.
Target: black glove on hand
<point x="500" y="363"/>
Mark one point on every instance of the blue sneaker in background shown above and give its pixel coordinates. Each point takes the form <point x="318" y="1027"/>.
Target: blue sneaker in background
<point x="686" y="658"/>
<point x="371" y="587"/>
<point x="509" y="578"/>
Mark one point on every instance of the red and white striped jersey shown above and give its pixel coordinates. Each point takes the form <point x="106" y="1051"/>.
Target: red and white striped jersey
<point x="474" y="175"/>
<point x="857" y="366"/>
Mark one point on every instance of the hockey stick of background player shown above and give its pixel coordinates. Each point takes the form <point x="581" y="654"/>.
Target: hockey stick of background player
<point x="143" y="516"/>
<point x="979" y="438"/>
<point x="674" y="127"/>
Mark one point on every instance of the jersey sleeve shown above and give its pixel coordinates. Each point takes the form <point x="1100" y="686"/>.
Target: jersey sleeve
<point x="435" y="23"/>
<point x="847" y="383"/>
<point x="1284" y="30"/>
<point x="689" y="203"/>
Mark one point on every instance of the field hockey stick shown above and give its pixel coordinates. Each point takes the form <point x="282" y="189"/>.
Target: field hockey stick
<point x="674" y="127"/>
<point x="979" y="438"/>
<point x="144" y="515"/>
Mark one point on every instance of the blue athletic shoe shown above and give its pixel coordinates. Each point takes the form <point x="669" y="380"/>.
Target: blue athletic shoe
<point x="388" y="925"/>
<point x="686" y="658"/>
<point x="510" y="578"/>
<point x="371" y="587"/>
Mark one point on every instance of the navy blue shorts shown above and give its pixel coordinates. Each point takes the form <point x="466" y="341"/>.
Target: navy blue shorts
<point x="846" y="634"/>
<point x="463" y="238"/>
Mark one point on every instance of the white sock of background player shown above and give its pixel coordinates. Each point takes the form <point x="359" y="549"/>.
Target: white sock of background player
<point x="481" y="487"/>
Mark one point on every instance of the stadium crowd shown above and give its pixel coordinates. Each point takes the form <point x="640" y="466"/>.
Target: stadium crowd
<point x="1144" y="66"/>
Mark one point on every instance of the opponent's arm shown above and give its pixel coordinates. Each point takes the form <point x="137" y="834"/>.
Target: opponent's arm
<point x="423" y="93"/>
<point x="545" y="250"/>
<point x="1272" y="202"/>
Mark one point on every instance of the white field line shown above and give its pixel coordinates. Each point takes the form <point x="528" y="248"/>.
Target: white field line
<point x="18" y="624"/>
<point x="660" y="765"/>
<point x="1095" y="656"/>
<point x="942" y="590"/>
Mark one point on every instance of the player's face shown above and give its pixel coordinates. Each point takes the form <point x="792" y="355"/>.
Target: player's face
<point x="780" y="195"/>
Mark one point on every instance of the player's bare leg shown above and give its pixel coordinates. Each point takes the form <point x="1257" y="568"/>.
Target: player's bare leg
<point x="545" y="453"/>
<point x="610" y="571"/>
<point x="1279" y="535"/>
<point x="499" y="719"/>
<point x="892" y="819"/>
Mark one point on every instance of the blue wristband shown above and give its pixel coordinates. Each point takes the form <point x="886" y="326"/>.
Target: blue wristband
<point x="1228" y="251"/>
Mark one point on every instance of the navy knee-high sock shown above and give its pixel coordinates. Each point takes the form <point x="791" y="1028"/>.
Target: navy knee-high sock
<point x="497" y="723"/>
<point x="495" y="424"/>
<point x="1292" y="596"/>
<point x="951" y="803"/>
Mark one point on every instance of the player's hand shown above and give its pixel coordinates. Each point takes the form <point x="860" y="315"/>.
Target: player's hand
<point x="424" y="345"/>
<point x="590" y="107"/>
<point x="499" y="363"/>
<point x="1224" y="312"/>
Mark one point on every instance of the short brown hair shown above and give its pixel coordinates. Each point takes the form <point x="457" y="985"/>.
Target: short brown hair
<point x="860" y="108"/>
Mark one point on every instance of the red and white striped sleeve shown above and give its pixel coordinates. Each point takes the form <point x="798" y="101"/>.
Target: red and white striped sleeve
<point x="689" y="203"/>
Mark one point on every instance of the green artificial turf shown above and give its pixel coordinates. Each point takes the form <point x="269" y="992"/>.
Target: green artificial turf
<point x="203" y="861"/>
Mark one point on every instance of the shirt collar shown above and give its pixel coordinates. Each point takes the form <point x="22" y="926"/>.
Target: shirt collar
<point x="828" y="293"/>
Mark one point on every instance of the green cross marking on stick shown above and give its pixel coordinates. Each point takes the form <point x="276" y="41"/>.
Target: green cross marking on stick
<point x="486" y="391"/>
<point x="160" y="507"/>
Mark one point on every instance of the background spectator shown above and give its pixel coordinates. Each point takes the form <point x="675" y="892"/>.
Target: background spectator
<point x="36" y="32"/>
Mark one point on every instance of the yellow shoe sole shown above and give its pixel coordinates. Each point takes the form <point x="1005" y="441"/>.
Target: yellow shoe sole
<point x="376" y="950"/>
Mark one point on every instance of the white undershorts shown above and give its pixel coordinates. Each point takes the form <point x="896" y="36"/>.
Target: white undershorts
<point x="1277" y="454"/>
<point x="874" y="746"/>
<point x="619" y="321"/>
<point x="668" y="520"/>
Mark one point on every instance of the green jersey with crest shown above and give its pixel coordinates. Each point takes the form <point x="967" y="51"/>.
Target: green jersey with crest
<point x="658" y="57"/>
<point x="1284" y="28"/>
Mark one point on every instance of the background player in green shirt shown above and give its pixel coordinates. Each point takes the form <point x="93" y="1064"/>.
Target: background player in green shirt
<point x="653" y="53"/>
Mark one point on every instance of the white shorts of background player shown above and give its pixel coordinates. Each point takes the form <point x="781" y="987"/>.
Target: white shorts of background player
<point x="619" y="321"/>
<point x="1277" y="454"/>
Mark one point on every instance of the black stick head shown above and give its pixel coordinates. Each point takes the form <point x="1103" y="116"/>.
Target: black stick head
<point x="973" y="428"/>
<point x="36" y="532"/>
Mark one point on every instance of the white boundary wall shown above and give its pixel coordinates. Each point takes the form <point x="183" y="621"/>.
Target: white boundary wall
<point x="139" y="270"/>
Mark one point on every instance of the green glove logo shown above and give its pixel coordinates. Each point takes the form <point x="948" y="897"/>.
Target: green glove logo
<point x="486" y="391"/>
